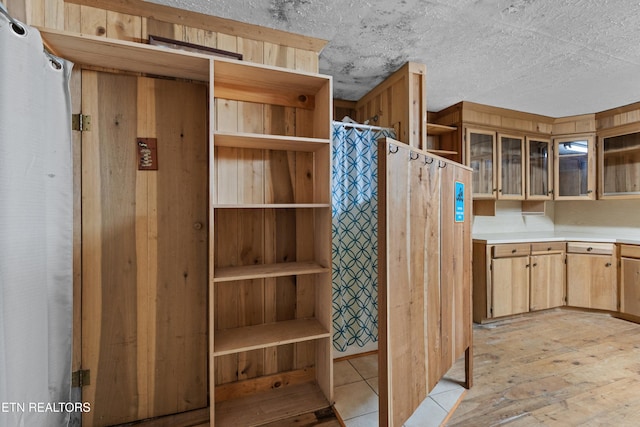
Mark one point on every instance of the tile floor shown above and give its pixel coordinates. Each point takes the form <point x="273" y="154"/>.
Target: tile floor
<point x="356" y="395"/>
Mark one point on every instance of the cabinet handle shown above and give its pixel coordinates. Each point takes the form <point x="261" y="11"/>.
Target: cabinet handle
<point x="197" y="226"/>
<point x="535" y="264"/>
<point x="589" y="191"/>
<point x="513" y="251"/>
<point x="527" y="266"/>
<point x="608" y="264"/>
<point x="549" y="248"/>
<point x="589" y="249"/>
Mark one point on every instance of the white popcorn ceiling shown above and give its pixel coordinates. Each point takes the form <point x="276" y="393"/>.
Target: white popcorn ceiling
<point x="550" y="57"/>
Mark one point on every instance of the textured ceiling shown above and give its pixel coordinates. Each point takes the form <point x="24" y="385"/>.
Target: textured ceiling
<point x="550" y="57"/>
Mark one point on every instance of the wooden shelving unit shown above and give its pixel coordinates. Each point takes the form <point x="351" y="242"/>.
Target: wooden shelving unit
<point x="271" y="265"/>
<point x="269" y="224"/>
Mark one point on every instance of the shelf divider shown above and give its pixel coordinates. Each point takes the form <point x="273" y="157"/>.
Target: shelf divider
<point x="248" y="272"/>
<point x="235" y="340"/>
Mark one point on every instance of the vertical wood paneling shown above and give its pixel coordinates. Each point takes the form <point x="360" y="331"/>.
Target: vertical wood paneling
<point x="124" y="27"/>
<point x="181" y="296"/>
<point x="146" y="183"/>
<point x="424" y="277"/>
<point x="108" y="229"/>
<point x="93" y="21"/>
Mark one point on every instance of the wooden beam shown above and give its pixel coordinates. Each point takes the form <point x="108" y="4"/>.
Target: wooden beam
<point x="206" y="22"/>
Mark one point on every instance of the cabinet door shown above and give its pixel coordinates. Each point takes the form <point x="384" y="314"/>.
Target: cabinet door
<point x="592" y="281"/>
<point x="538" y="169"/>
<point x="511" y="167"/>
<point x="574" y="168"/>
<point x="510" y="286"/>
<point x="547" y="281"/>
<point x="482" y="159"/>
<point x="620" y="166"/>
<point x="630" y="286"/>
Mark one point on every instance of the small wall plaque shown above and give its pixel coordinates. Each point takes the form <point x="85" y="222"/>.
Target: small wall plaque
<point x="459" y="202"/>
<point x="147" y="154"/>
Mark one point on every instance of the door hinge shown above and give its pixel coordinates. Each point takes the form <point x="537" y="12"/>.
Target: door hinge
<point x="81" y="378"/>
<point x="80" y="122"/>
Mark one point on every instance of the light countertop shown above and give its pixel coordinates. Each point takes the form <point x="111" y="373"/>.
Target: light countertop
<point x="552" y="236"/>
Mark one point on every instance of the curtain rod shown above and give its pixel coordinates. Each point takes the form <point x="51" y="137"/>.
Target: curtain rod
<point x="15" y="25"/>
<point x="358" y="125"/>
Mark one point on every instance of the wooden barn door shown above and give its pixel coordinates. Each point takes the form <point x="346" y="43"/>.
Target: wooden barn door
<point x="144" y="247"/>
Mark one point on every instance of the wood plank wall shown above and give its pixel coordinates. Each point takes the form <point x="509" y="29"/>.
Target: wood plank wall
<point x="424" y="275"/>
<point x="399" y="102"/>
<point x="134" y="20"/>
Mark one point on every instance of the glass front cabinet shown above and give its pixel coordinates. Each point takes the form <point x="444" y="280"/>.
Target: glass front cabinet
<point x="511" y="175"/>
<point x="481" y="150"/>
<point x="538" y="169"/>
<point x="619" y="166"/>
<point x="574" y="167"/>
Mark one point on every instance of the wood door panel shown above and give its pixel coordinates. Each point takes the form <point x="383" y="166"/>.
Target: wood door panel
<point x="547" y="281"/>
<point x="630" y="286"/>
<point x="110" y="263"/>
<point x="510" y="286"/>
<point x="145" y="238"/>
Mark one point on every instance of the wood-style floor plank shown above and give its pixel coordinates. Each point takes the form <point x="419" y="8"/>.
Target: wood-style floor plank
<point x="553" y="368"/>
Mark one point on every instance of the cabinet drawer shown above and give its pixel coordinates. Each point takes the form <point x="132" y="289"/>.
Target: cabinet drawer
<point x="509" y="250"/>
<point x="630" y="251"/>
<point x="590" y="248"/>
<point x="548" y="247"/>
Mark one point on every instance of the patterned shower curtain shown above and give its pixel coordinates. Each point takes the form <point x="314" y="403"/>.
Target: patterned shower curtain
<point x="354" y="196"/>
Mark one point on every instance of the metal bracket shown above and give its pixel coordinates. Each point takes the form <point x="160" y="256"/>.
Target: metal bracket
<point x="80" y="122"/>
<point x="81" y="378"/>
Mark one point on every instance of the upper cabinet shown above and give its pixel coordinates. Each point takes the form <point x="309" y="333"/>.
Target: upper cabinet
<point x="511" y="161"/>
<point x="481" y="149"/>
<point x="538" y="169"/>
<point x="574" y="167"/>
<point x="619" y="166"/>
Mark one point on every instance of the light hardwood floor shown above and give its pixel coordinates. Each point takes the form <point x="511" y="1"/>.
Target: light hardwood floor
<point x="553" y="368"/>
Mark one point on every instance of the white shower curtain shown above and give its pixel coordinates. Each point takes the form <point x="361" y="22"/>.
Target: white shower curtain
<point x="35" y="232"/>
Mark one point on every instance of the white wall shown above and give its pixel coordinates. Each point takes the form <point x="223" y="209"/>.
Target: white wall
<point x="617" y="218"/>
<point x="509" y="219"/>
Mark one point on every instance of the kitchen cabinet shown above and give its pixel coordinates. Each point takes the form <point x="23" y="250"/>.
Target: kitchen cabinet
<point x="539" y="174"/>
<point x="509" y="285"/>
<point x="481" y="149"/>
<point x="592" y="275"/>
<point x="515" y="278"/>
<point x="511" y="163"/>
<point x="574" y="167"/>
<point x="630" y="279"/>
<point x="619" y="166"/>
<point x="548" y="278"/>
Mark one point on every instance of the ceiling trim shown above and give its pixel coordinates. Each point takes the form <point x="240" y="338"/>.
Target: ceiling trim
<point x="206" y="22"/>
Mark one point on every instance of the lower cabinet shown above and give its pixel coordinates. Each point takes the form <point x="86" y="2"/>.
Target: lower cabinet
<point x="548" y="275"/>
<point x="592" y="275"/>
<point x="630" y="279"/>
<point x="516" y="278"/>
<point x="510" y="285"/>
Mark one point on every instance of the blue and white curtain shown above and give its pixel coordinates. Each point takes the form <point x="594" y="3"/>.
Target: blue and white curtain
<point x="354" y="196"/>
